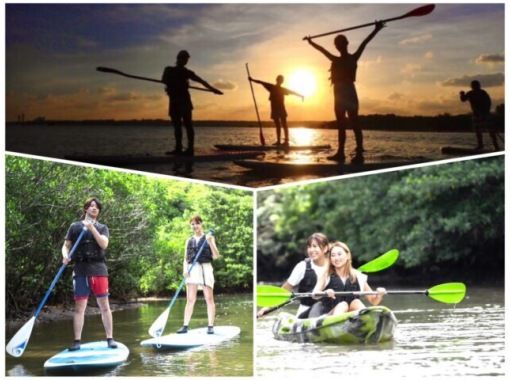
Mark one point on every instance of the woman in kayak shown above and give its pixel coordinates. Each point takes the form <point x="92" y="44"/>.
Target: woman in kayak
<point x="341" y="277"/>
<point x="201" y="274"/>
<point x="306" y="272"/>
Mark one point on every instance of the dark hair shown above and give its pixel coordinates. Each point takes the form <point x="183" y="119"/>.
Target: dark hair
<point x="89" y="201"/>
<point x="321" y="239"/>
<point x="196" y="218"/>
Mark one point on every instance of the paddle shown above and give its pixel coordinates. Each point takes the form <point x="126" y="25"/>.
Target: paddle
<point x="261" y="135"/>
<point x="19" y="341"/>
<point x="421" y="11"/>
<point x="157" y="328"/>
<point x="118" y="72"/>
<point x="451" y="293"/>
<point x="380" y="263"/>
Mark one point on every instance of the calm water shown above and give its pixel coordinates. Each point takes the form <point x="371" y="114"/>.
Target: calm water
<point x="59" y="141"/>
<point x="233" y="358"/>
<point x="432" y="340"/>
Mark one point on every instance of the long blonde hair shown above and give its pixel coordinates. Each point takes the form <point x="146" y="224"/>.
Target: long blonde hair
<point x="349" y="269"/>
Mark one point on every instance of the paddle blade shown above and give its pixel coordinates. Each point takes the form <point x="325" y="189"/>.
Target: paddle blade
<point x="384" y="261"/>
<point x="421" y="11"/>
<point x="269" y="295"/>
<point x="107" y="70"/>
<point x="19" y="341"/>
<point x="452" y="292"/>
<point x="157" y="328"/>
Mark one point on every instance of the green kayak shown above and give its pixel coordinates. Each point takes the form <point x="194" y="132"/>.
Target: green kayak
<point x="371" y="325"/>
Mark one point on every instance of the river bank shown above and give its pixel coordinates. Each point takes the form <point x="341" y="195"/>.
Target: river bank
<point x="65" y="312"/>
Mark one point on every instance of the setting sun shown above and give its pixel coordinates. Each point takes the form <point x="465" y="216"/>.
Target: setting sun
<point x="302" y="81"/>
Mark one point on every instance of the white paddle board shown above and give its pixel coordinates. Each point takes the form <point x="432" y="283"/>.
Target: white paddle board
<point x="90" y="355"/>
<point x="193" y="338"/>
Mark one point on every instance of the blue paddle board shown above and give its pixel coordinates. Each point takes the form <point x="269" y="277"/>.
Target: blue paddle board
<point x="90" y="355"/>
<point x="193" y="338"/>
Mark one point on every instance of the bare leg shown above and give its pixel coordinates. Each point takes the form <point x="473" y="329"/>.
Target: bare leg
<point x="191" y="298"/>
<point x="356" y="304"/>
<point x="106" y="315"/>
<point x="278" y="131"/>
<point x="285" y="131"/>
<point x="358" y="133"/>
<point x="341" y="308"/>
<point x="211" y="307"/>
<point x="79" y="317"/>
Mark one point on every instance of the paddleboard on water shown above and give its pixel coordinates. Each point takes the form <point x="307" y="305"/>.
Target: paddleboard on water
<point x="458" y="150"/>
<point x="278" y="168"/>
<point x="271" y="147"/>
<point x="193" y="338"/>
<point x="136" y="159"/>
<point x="90" y="355"/>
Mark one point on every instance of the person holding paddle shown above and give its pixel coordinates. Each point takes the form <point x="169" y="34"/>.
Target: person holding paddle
<point x="90" y="274"/>
<point x="343" y="75"/>
<point x="480" y="102"/>
<point x="199" y="252"/>
<point x="277" y="95"/>
<point x="306" y="272"/>
<point x="176" y="78"/>
<point x="342" y="277"/>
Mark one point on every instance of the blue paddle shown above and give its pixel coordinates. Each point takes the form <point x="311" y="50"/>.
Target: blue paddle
<point x="19" y="341"/>
<point x="157" y="328"/>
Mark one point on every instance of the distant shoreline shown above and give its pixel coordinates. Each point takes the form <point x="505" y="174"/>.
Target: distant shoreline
<point x="439" y="123"/>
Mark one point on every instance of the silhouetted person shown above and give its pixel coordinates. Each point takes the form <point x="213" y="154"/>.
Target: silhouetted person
<point x="278" y="113"/>
<point x="177" y="79"/>
<point x="343" y="75"/>
<point x="480" y="103"/>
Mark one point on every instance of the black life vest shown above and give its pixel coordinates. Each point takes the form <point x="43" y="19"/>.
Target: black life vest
<point x="88" y="250"/>
<point x="337" y="285"/>
<point x="193" y="247"/>
<point x="308" y="283"/>
<point x="343" y="69"/>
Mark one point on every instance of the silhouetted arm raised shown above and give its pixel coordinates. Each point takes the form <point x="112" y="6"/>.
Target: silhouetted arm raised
<point x="196" y="78"/>
<point x="320" y="48"/>
<point x="378" y="26"/>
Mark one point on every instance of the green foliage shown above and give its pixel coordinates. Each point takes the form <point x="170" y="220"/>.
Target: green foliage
<point x="437" y="216"/>
<point x="148" y="220"/>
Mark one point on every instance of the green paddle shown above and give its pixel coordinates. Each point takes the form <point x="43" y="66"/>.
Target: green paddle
<point x="382" y="262"/>
<point x="272" y="296"/>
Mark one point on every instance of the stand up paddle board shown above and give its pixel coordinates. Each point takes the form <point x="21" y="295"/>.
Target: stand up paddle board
<point x="458" y="150"/>
<point x="286" y="168"/>
<point x="136" y="159"/>
<point x="264" y="148"/>
<point x="89" y="356"/>
<point x="193" y="338"/>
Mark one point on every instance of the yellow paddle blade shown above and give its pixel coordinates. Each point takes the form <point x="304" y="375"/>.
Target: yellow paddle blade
<point x="270" y="295"/>
<point x="452" y="292"/>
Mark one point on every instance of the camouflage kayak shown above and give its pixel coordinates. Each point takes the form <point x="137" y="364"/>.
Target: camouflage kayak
<point x="371" y="325"/>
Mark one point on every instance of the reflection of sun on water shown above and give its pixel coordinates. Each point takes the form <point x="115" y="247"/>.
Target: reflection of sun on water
<point x="302" y="81"/>
<point x="301" y="136"/>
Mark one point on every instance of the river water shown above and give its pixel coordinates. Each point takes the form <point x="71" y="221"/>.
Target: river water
<point x="61" y="140"/>
<point x="432" y="340"/>
<point x="233" y="358"/>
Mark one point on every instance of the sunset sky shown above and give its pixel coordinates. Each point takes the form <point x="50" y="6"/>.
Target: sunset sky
<point x="414" y="66"/>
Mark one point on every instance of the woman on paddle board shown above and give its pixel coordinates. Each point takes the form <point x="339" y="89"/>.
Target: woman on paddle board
<point x="343" y="75"/>
<point x="480" y="102"/>
<point x="177" y="79"/>
<point x="341" y="276"/>
<point x="306" y="272"/>
<point x="201" y="274"/>
<point x="90" y="274"/>
<point x="277" y="95"/>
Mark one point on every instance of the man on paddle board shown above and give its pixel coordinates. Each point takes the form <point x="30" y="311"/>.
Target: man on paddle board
<point x="480" y="102"/>
<point x="180" y="109"/>
<point x="343" y="75"/>
<point x="277" y="95"/>
<point x="90" y="274"/>
<point x="201" y="274"/>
